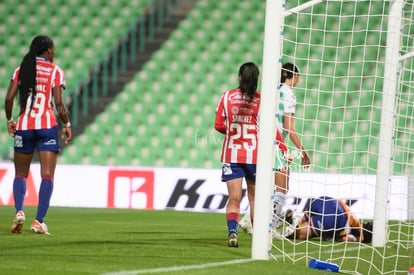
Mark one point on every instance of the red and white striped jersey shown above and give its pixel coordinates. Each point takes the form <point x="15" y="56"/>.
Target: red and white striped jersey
<point x="41" y="116"/>
<point x="237" y="118"/>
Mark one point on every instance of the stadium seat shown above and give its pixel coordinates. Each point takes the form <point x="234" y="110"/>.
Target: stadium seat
<point x="71" y="15"/>
<point x="173" y="98"/>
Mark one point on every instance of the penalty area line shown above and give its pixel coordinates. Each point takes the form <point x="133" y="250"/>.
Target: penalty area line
<point x="178" y="268"/>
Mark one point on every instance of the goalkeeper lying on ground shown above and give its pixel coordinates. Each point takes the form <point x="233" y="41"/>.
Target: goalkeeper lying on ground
<point x="329" y="219"/>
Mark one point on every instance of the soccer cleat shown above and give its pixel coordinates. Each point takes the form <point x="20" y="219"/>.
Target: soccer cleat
<point x="289" y="216"/>
<point x="278" y="221"/>
<point x="40" y="228"/>
<point x="246" y="225"/>
<point x="233" y="240"/>
<point x="18" y="222"/>
<point x="290" y="230"/>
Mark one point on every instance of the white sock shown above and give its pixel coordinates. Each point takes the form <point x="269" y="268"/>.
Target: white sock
<point x="278" y="202"/>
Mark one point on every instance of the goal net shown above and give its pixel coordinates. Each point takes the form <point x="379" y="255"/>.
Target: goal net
<point x="355" y="117"/>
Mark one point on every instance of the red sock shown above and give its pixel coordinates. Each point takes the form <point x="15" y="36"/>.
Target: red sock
<point x="233" y="216"/>
<point x="232" y="222"/>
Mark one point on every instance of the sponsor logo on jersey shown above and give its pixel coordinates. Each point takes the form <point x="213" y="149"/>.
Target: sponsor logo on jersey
<point x="246" y="110"/>
<point x="235" y="110"/>
<point x="42" y="73"/>
<point x="42" y="79"/>
<point x="42" y="68"/>
<point x="240" y="97"/>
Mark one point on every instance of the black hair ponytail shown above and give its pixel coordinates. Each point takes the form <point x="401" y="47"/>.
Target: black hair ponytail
<point x="27" y="74"/>
<point x="249" y="74"/>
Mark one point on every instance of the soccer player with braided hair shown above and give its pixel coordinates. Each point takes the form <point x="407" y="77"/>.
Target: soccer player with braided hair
<point x="39" y="83"/>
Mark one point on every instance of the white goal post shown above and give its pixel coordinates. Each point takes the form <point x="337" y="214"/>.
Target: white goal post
<point x="382" y="147"/>
<point x="387" y="121"/>
<point x="261" y="242"/>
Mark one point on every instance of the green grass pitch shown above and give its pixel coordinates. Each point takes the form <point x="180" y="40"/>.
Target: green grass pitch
<point x="124" y="241"/>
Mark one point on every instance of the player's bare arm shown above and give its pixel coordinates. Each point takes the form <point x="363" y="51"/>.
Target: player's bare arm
<point x="63" y="114"/>
<point x="290" y="128"/>
<point x="8" y="104"/>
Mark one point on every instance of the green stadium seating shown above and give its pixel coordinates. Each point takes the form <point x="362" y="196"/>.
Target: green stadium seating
<point x="83" y="32"/>
<point x="165" y="116"/>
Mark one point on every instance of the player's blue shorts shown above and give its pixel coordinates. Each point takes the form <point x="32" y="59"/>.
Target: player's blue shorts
<point x="326" y="216"/>
<point x="26" y="141"/>
<point x="231" y="171"/>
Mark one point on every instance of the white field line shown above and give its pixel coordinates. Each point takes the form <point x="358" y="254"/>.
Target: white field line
<point x="201" y="266"/>
<point x="178" y="268"/>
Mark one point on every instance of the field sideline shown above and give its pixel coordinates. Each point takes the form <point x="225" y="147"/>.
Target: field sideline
<point x="124" y="241"/>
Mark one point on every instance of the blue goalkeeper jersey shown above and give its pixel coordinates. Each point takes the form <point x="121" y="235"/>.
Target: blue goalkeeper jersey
<point x="326" y="216"/>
